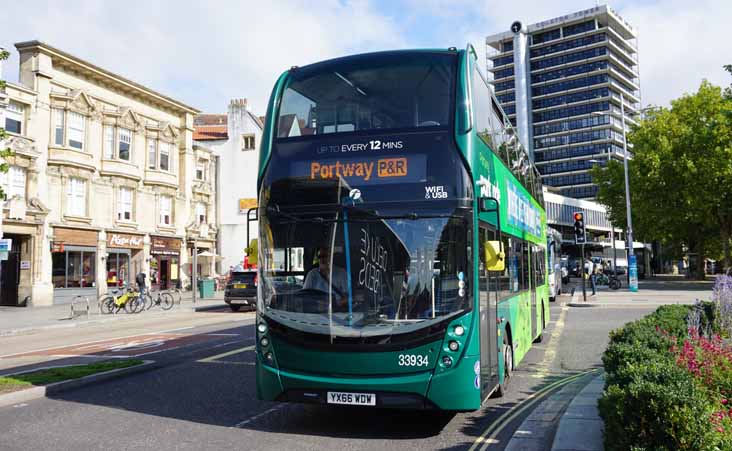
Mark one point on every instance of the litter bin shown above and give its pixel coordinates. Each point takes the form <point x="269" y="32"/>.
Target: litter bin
<point x="206" y="288"/>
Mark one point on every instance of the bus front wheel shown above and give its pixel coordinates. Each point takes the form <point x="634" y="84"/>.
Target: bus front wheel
<point x="507" y="368"/>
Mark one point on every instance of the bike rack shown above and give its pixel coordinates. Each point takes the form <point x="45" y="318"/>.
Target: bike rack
<point x="84" y="301"/>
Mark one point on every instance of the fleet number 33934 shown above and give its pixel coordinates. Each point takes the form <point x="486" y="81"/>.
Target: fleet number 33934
<point x="413" y="360"/>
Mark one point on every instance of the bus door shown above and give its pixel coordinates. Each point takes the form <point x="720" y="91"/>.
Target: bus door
<point x="533" y="269"/>
<point x="488" y="303"/>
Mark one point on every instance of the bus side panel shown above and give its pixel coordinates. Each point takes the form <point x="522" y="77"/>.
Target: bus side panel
<point x="516" y="314"/>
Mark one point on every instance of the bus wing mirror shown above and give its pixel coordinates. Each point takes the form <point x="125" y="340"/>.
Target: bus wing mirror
<point x="495" y="259"/>
<point x="487" y="204"/>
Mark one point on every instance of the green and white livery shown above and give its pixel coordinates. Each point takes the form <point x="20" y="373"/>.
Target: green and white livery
<point x="402" y="236"/>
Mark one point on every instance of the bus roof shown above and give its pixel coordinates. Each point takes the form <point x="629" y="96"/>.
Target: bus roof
<point x="371" y="54"/>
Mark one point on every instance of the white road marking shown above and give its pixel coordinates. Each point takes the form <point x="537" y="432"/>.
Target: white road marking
<point x="255" y="417"/>
<point x="226" y="354"/>
<point x="223" y="335"/>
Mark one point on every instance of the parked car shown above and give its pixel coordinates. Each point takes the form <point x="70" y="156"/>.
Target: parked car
<point x="241" y="290"/>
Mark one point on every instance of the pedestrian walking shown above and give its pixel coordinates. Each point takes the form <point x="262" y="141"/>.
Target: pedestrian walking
<point x="590" y="271"/>
<point x="140" y="280"/>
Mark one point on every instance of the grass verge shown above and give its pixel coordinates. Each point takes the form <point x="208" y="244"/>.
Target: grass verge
<point x="49" y="376"/>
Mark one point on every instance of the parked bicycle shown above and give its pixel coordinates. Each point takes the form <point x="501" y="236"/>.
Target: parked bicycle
<point x="130" y="301"/>
<point x="163" y="299"/>
<point x="609" y="279"/>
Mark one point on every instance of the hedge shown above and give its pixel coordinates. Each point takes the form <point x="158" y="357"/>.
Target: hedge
<point x="651" y="401"/>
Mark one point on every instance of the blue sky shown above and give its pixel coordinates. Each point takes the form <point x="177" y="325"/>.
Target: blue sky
<point x="205" y="53"/>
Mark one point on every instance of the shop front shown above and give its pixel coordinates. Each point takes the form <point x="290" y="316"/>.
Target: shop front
<point x="73" y="255"/>
<point x="164" y="262"/>
<point x="125" y="258"/>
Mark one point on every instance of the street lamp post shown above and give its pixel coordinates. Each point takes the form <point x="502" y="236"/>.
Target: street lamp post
<point x="629" y="232"/>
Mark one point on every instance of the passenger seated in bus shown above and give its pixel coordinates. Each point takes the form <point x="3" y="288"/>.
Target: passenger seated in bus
<point x="319" y="279"/>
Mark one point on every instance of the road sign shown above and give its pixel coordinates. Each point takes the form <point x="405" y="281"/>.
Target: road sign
<point x="6" y="244"/>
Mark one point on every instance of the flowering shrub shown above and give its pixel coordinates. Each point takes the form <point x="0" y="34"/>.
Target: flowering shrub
<point x="722" y="301"/>
<point x="668" y="386"/>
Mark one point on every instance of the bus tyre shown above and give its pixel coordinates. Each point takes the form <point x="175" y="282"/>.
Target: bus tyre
<point x="507" y="368"/>
<point x="234" y="307"/>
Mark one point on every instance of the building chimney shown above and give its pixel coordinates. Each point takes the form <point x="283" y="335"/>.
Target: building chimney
<point x="238" y="104"/>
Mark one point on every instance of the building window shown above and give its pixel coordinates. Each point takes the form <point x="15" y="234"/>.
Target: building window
<point x="166" y="210"/>
<point x="58" y="121"/>
<point x="14" y="118"/>
<point x="125" y="143"/>
<point x="201" y="212"/>
<point x="201" y="171"/>
<point x="118" y="269"/>
<point x="152" y="154"/>
<point x="247" y="142"/>
<point x="124" y="205"/>
<point x="76" y="197"/>
<point x="164" y="156"/>
<point x="74" y="269"/>
<point x="77" y="130"/>
<point x="108" y="141"/>
<point x="13" y="182"/>
<point x="119" y="148"/>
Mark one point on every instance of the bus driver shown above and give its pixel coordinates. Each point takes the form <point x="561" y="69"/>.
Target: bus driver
<point x="319" y="278"/>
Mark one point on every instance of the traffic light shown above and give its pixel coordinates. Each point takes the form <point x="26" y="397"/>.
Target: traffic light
<point x="579" y="228"/>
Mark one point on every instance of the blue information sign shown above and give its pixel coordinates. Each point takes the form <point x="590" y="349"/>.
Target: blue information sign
<point x="633" y="273"/>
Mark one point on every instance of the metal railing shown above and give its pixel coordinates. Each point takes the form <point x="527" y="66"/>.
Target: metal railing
<point x="79" y="307"/>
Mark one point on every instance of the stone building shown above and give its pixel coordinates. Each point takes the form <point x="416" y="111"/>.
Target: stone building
<point x="103" y="182"/>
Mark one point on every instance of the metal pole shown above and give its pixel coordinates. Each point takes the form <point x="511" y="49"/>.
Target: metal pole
<point x="629" y="232"/>
<point x="615" y="251"/>
<point x="195" y="269"/>
<point x="584" y="290"/>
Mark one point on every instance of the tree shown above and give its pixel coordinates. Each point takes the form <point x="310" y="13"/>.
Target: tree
<point x="680" y="175"/>
<point x="4" y="153"/>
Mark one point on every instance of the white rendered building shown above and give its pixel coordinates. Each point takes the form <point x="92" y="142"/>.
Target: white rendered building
<point x="234" y="140"/>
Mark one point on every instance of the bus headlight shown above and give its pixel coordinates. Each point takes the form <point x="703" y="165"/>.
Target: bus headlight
<point x="459" y="330"/>
<point x="262" y="328"/>
<point x="447" y="361"/>
<point x="264" y="342"/>
<point x="453" y="345"/>
<point x="270" y="357"/>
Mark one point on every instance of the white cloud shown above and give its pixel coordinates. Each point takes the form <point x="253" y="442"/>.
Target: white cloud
<point x="680" y="43"/>
<point x="202" y="53"/>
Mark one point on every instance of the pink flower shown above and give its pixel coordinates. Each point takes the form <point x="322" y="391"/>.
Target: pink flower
<point x="723" y="401"/>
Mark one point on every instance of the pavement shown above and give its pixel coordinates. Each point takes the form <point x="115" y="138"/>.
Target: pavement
<point x="15" y="320"/>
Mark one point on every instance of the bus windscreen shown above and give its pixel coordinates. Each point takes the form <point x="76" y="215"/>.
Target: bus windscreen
<point x="372" y="92"/>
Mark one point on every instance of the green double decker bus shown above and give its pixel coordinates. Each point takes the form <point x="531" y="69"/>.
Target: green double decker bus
<point x="401" y="233"/>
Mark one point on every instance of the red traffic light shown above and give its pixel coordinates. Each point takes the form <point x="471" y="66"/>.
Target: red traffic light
<point x="578" y="216"/>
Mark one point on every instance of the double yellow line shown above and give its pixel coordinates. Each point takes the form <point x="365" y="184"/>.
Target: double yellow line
<point x="487" y="438"/>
